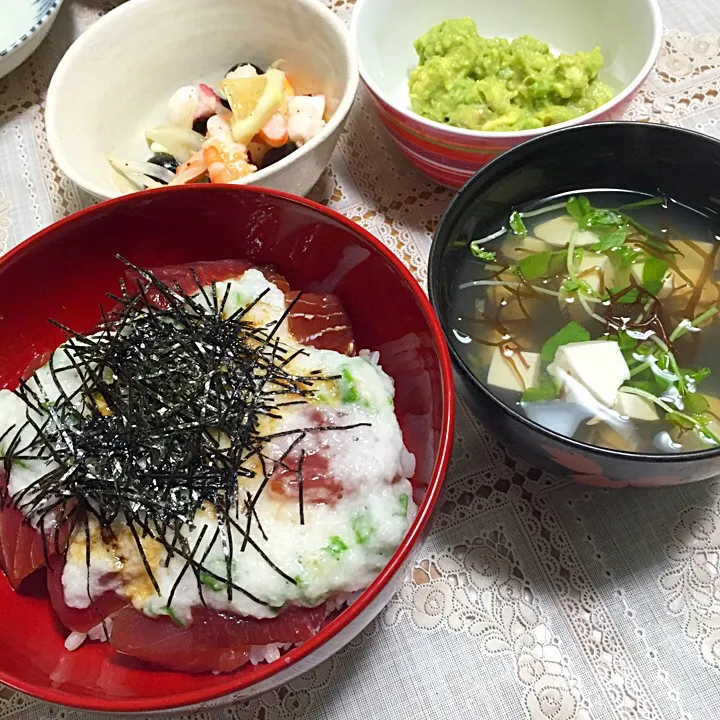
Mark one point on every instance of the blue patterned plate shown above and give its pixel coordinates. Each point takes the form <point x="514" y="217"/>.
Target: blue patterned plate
<point x="25" y="23"/>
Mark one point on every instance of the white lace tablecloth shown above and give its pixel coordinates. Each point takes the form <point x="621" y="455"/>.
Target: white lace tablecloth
<point x="533" y="598"/>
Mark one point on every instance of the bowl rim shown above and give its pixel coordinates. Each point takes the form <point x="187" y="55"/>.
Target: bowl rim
<point x="399" y="557"/>
<point x="54" y="99"/>
<point x="453" y="208"/>
<point x="434" y="127"/>
<point x="39" y="20"/>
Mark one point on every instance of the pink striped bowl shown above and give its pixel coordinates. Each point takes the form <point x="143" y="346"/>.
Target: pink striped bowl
<point x="629" y="32"/>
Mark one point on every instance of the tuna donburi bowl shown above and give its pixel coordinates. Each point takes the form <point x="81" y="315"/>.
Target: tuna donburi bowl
<point x="209" y="472"/>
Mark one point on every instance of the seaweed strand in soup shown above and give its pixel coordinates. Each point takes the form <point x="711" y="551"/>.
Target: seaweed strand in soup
<point x="595" y="315"/>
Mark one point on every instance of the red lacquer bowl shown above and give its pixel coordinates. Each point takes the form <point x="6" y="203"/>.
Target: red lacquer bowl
<point x="64" y="271"/>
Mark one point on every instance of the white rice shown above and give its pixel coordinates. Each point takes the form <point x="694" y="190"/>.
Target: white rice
<point x="407" y="462"/>
<point x="258" y="653"/>
<point x="99" y="633"/>
<point x="74" y="640"/>
<point x="267" y="653"/>
<point x="372" y="357"/>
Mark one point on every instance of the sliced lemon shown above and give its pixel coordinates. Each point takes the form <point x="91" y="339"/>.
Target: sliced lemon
<point x="253" y="102"/>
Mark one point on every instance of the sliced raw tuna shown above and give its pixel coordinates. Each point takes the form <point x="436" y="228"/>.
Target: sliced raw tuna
<point x="320" y="321"/>
<point x="319" y="485"/>
<point x="214" y="642"/>
<point x="181" y="275"/>
<point x="36" y="363"/>
<point x="316" y="320"/>
<point x="74" y="618"/>
<point x="207" y="273"/>
<point x="21" y="546"/>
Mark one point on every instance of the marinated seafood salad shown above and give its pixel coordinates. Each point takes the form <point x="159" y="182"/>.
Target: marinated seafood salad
<point x="251" y="121"/>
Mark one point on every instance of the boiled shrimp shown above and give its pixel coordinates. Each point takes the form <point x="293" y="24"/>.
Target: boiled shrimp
<point x="275" y="132"/>
<point x="193" y="169"/>
<point x="226" y="160"/>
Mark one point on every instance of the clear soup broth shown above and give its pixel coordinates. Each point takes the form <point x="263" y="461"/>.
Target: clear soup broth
<point x="596" y="316"/>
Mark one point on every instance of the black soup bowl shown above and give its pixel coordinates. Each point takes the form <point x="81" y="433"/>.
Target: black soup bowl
<point x="636" y="157"/>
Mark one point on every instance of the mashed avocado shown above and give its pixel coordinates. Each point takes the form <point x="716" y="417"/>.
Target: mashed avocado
<point x="501" y="85"/>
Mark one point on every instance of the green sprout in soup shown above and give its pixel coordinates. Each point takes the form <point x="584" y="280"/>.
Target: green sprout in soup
<point x="597" y="320"/>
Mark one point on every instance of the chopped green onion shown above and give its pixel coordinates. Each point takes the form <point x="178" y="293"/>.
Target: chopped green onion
<point x="167" y="610"/>
<point x="336" y="547"/>
<point x="362" y="527"/>
<point x="348" y="389"/>
<point x="301" y="582"/>
<point x="212" y="582"/>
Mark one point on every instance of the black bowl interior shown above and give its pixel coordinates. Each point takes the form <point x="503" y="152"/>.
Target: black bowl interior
<point x="637" y="157"/>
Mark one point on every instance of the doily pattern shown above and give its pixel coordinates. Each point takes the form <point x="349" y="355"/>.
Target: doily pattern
<point x="479" y="589"/>
<point x="692" y="585"/>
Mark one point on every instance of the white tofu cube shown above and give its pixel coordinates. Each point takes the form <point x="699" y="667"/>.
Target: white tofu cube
<point x="636" y="407"/>
<point x="597" y="365"/>
<point x="596" y="270"/>
<point x="558" y="232"/>
<point x="693" y="259"/>
<point x="514" y="371"/>
<point x="533" y="244"/>
<point x="516" y="247"/>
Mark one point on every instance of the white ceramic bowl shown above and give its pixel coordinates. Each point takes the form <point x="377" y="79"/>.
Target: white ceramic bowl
<point x="23" y="26"/>
<point x="629" y="33"/>
<point x="115" y="80"/>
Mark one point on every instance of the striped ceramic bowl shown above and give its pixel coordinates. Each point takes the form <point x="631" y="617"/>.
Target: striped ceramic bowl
<point x="23" y="26"/>
<point x="629" y="33"/>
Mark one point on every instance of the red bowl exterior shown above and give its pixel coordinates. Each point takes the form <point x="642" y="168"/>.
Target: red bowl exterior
<point x="450" y="158"/>
<point x="64" y="272"/>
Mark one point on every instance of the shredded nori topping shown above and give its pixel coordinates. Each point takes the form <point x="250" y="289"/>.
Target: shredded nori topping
<point x="165" y="422"/>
